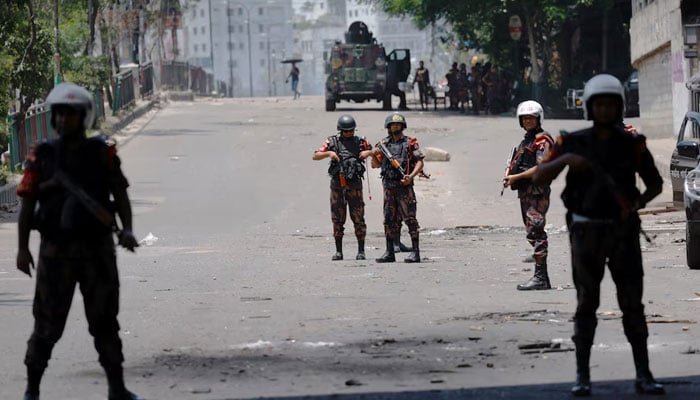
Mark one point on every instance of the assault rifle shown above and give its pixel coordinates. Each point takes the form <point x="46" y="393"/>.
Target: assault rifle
<point x="509" y="163"/>
<point x="392" y="159"/>
<point x="104" y="216"/>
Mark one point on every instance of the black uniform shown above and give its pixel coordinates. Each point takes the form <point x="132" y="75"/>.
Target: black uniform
<point x="599" y="232"/>
<point x="75" y="247"/>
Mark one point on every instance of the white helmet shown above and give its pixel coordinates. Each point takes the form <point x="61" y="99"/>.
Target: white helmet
<point x="70" y="94"/>
<point x="602" y="84"/>
<point x="530" y="107"/>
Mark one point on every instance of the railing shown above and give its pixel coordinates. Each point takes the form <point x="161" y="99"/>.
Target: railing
<point x="123" y="89"/>
<point x="146" y="79"/>
<point x="175" y="75"/>
<point x="37" y="127"/>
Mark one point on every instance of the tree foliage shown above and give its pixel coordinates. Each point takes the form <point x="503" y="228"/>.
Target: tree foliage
<point x="27" y="58"/>
<point x="572" y="38"/>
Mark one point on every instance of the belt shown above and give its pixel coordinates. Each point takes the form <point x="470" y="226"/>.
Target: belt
<point x="582" y="219"/>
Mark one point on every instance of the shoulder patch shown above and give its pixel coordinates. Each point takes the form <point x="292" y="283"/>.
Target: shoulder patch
<point x="544" y="137"/>
<point x="631" y="130"/>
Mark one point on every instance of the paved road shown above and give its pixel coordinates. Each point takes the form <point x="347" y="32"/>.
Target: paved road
<point x="238" y="297"/>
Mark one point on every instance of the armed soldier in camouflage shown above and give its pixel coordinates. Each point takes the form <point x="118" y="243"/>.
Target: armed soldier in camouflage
<point x="401" y="163"/>
<point x="347" y="153"/>
<point x="602" y="200"/>
<point x="71" y="178"/>
<point x="534" y="199"/>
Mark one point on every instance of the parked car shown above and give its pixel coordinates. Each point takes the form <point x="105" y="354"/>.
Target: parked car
<point x="691" y="197"/>
<point x="685" y="180"/>
<point x="631" y="85"/>
<point x="685" y="155"/>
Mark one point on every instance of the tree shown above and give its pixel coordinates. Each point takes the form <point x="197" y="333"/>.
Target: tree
<point x="549" y="28"/>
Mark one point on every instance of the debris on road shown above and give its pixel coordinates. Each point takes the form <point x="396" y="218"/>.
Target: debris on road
<point x="353" y="382"/>
<point x="149" y="240"/>
<point x="544" y="347"/>
<point x="436" y="154"/>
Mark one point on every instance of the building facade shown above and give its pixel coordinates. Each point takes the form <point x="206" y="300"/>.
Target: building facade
<point x="242" y="43"/>
<point x="664" y="64"/>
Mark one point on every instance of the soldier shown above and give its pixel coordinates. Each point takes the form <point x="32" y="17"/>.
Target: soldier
<point x="71" y="178"/>
<point x="397" y="179"/>
<point x="422" y="78"/>
<point x="602" y="200"/>
<point x="534" y="199"/>
<point x="452" y="77"/>
<point x="347" y="153"/>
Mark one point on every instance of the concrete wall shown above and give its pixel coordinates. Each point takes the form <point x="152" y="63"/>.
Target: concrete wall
<point x="656" y="32"/>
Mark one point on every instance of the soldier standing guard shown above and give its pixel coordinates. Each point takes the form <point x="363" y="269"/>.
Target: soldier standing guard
<point x="400" y="165"/>
<point x="534" y="199"/>
<point x="602" y="200"/>
<point x="347" y="153"/>
<point x="71" y="178"/>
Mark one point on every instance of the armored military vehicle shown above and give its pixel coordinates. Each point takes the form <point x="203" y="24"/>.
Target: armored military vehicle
<point x="360" y="70"/>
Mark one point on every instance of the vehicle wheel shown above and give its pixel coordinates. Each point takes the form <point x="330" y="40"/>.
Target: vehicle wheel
<point x="330" y="105"/>
<point x="692" y="248"/>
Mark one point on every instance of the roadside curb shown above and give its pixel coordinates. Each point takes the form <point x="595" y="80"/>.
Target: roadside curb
<point x="114" y="124"/>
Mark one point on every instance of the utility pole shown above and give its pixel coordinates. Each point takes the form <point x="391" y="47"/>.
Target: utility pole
<point x="269" y="72"/>
<point x="250" y="55"/>
<point x="230" y="56"/>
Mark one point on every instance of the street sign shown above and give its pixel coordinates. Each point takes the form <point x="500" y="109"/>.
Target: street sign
<point x="515" y="27"/>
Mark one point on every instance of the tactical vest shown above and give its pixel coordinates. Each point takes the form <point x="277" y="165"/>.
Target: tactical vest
<point x="596" y="193"/>
<point x="348" y="150"/>
<point x="401" y="152"/>
<point x="526" y="157"/>
<point x="60" y="215"/>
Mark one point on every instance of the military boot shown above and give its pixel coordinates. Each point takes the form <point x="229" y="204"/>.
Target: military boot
<point x="33" y="382"/>
<point x="645" y="382"/>
<point x="414" y="257"/>
<point x="400" y="247"/>
<point x="583" y="376"/>
<point x="539" y="281"/>
<point x="338" y="250"/>
<point x="30" y="396"/>
<point x="117" y="389"/>
<point x="360" y="250"/>
<point x="388" y="255"/>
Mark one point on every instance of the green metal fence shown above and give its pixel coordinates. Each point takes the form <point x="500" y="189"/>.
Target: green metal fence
<point x="123" y="89"/>
<point x="146" y="79"/>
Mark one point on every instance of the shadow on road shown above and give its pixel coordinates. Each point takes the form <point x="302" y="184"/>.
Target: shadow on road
<point x="677" y="388"/>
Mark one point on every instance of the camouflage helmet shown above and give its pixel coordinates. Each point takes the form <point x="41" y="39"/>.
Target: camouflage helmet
<point x="346" y="123"/>
<point x="395" y="118"/>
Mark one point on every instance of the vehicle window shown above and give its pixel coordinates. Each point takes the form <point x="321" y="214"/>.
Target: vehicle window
<point x="691" y="131"/>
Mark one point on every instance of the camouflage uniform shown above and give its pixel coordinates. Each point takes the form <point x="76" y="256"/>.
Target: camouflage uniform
<point x="534" y="200"/>
<point x="75" y="248"/>
<point x="399" y="200"/>
<point x="350" y="196"/>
